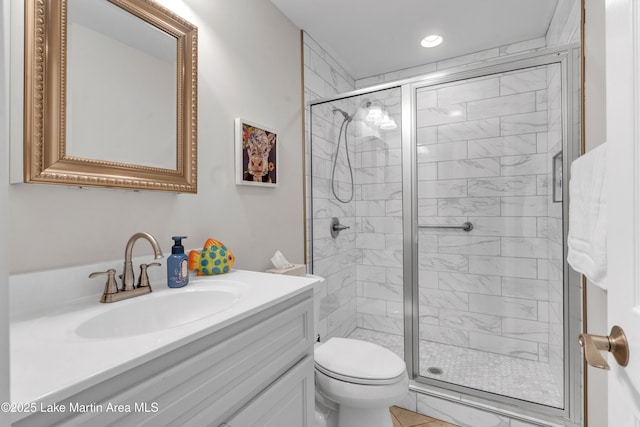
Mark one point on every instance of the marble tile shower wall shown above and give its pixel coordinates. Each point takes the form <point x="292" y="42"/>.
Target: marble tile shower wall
<point x="483" y="157"/>
<point x="379" y="241"/>
<point x="334" y="258"/>
<point x="325" y="77"/>
<point x="335" y="302"/>
<point x="551" y="228"/>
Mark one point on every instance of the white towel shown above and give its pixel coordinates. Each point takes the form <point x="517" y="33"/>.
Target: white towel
<point x="587" y="239"/>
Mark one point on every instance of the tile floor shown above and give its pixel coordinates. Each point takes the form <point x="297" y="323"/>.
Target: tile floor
<point x="404" y="418"/>
<point x="495" y="373"/>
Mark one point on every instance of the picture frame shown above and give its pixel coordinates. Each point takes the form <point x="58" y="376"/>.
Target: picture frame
<point x="256" y="154"/>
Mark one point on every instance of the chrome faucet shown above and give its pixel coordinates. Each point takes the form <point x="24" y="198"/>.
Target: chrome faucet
<point x="111" y="292"/>
<point x="127" y="275"/>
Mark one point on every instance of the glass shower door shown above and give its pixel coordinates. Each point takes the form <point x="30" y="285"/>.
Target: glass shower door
<point x="490" y="234"/>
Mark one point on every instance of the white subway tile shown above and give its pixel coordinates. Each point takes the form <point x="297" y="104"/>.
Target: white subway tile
<point x="469" y="168"/>
<point x="428" y="207"/>
<point x="370" y="241"/>
<point x="471" y="283"/>
<point x="523" y="123"/>
<point x="389" y="208"/>
<point x="391" y="190"/>
<point x="524" y="185"/>
<point x="476" y="129"/>
<point x="503" y="306"/>
<point x="476" y="206"/>
<point x="444" y="299"/>
<point x="528" y="330"/>
<point x="393" y="242"/>
<point x="471" y="245"/>
<point x="382" y="257"/>
<point x="541" y="100"/>
<point x="524" y="206"/>
<point x="443" y="262"/>
<point x="543" y="311"/>
<point x="528" y="164"/>
<point x="383" y="324"/>
<point x="441" y="115"/>
<point x="427" y="135"/>
<point x="428" y="243"/>
<point x="525" y="288"/>
<point x="382" y="291"/>
<point x="371" y="273"/>
<point x="394" y="276"/>
<point x="389" y="157"/>
<point x="370" y="207"/>
<point x="372" y="306"/>
<point x="528" y="247"/>
<point x="442" y="152"/>
<point x="505" y="105"/>
<point x="426" y="98"/>
<point x="503" y="146"/>
<point x="428" y="171"/>
<point x="470" y="321"/>
<point x="469" y="91"/>
<point x="523" y="81"/>
<point x="445" y="335"/>
<point x="480" y="56"/>
<point x="395" y="309"/>
<point x="428" y="279"/>
<point x="503" y="266"/>
<point x="442" y="189"/>
<point x="381" y="225"/>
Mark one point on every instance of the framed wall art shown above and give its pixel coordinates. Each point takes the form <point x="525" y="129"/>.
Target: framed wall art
<point x="256" y="154"/>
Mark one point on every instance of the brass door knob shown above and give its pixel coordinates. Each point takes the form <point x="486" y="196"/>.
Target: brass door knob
<point x="616" y="343"/>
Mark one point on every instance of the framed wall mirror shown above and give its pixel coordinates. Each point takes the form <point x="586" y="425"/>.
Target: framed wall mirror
<point x="110" y="95"/>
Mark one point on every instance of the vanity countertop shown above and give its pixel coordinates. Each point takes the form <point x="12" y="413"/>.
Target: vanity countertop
<point x="50" y="362"/>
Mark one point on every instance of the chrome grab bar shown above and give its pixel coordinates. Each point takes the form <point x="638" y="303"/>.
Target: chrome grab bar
<point x="467" y="226"/>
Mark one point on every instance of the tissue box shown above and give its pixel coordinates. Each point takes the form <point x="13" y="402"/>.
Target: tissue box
<point x="296" y="270"/>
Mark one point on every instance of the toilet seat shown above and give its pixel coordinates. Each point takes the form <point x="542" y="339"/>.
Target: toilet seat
<point x="359" y="362"/>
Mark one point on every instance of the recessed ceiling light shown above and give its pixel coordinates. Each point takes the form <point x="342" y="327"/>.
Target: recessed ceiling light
<point x="431" y="41"/>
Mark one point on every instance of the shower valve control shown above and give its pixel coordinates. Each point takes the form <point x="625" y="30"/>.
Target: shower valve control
<point x="336" y="227"/>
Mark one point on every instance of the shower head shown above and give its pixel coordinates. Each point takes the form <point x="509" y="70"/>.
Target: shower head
<point x="346" y="115"/>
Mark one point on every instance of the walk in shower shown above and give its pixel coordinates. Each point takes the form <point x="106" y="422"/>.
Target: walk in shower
<point x="453" y="188"/>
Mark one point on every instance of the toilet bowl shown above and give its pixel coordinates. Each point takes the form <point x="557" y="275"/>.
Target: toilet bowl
<point x="356" y="382"/>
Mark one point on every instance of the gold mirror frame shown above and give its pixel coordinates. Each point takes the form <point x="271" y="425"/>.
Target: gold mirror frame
<point x="45" y="157"/>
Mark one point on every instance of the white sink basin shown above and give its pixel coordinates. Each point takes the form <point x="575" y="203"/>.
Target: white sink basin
<point x="155" y="312"/>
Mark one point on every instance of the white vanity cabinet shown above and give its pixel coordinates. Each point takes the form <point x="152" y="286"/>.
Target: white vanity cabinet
<point x="286" y="403"/>
<point x="255" y="371"/>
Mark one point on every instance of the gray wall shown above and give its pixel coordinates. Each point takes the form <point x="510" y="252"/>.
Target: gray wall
<point x="249" y="66"/>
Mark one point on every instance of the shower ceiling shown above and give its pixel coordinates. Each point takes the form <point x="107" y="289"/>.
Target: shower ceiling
<point x="370" y="37"/>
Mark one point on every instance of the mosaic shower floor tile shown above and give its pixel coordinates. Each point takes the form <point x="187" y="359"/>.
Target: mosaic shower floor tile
<point x="495" y="373"/>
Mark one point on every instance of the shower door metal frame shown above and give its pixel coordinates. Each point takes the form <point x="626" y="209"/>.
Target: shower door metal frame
<point x="568" y="59"/>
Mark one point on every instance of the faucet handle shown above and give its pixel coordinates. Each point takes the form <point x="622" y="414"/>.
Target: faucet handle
<point x="110" y="287"/>
<point x="143" y="280"/>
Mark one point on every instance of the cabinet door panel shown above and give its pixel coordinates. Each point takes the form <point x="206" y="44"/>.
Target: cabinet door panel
<point x="286" y="403"/>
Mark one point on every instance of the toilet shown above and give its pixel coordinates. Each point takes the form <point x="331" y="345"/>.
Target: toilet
<point x="356" y="383"/>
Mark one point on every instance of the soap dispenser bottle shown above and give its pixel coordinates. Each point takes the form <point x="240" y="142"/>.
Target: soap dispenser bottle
<point x="177" y="271"/>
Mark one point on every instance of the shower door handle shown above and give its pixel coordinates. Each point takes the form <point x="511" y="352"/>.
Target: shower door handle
<point x="616" y="343"/>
